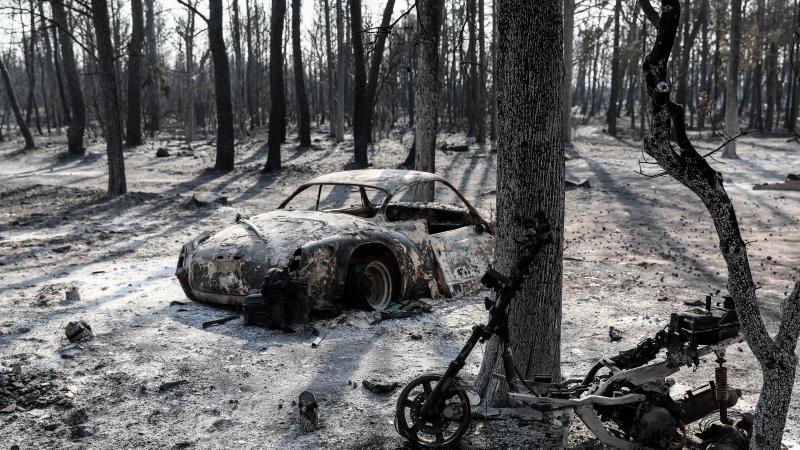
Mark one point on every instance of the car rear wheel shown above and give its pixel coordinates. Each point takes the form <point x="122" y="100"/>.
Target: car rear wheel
<point x="371" y="282"/>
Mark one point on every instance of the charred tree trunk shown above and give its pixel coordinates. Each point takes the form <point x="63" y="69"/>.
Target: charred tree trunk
<point x="277" y="112"/>
<point x="153" y="79"/>
<point x="472" y="71"/>
<point x="373" y="77"/>
<point x="77" y="123"/>
<point x="135" y="53"/>
<point x="304" y="119"/>
<point x="530" y="178"/>
<point x="732" y="81"/>
<point x="775" y="355"/>
<point x="110" y="99"/>
<point x="427" y="91"/>
<point x="616" y="76"/>
<point x="330" y="71"/>
<point x="480" y="105"/>
<point x="360" y="99"/>
<point x="12" y="100"/>
<point x="222" y="88"/>
<point x="569" y="25"/>
<point x="340" y="71"/>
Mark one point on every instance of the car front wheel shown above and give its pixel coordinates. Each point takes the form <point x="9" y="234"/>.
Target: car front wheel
<point x="371" y="282"/>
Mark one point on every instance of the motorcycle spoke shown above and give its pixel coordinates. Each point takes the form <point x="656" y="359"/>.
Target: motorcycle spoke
<point x="439" y="438"/>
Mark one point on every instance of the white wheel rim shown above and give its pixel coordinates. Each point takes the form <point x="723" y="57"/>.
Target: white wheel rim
<point x="377" y="285"/>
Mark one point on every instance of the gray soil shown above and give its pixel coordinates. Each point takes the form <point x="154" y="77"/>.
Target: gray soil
<point x="637" y="248"/>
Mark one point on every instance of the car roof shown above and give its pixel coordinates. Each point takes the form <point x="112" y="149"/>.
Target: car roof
<point x="389" y="180"/>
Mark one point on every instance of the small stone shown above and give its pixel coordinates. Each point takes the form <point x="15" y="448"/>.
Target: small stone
<point x="162" y="152"/>
<point x="78" y="331"/>
<point x="380" y="386"/>
<point x="73" y="295"/>
<point x="614" y="334"/>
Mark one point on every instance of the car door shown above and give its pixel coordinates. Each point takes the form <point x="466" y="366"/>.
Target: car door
<point x="462" y="253"/>
<point x="462" y="256"/>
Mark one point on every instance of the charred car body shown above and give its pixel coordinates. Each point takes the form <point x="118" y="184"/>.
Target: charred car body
<point x="349" y="237"/>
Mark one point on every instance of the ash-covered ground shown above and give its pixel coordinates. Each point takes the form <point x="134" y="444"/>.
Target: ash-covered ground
<point x="637" y="248"/>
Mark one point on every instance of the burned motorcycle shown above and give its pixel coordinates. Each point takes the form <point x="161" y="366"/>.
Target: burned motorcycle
<point x="624" y="400"/>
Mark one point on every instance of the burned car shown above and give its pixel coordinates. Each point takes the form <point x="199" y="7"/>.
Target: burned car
<point x="355" y="238"/>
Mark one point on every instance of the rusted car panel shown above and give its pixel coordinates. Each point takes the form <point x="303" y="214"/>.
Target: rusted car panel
<point x="319" y="247"/>
<point x="461" y="254"/>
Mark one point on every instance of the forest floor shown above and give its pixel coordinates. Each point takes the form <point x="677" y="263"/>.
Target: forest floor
<point x="636" y="249"/>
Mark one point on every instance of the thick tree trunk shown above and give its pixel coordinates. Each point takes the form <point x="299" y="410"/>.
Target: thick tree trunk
<point x="772" y="85"/>
<point x="188" y="85"/>
<point x="427" y="91"/>
<point x="222" y="88"/>
<point x="153" y="79"/>
<point x="375" y="65"/>
<point x="135" y="53"/>
<point x="616" y="77"/>
<point x="110" y="99"/>
<point x="330" y="71"/>
<point x="530" y="178"/>
<point x="732" y="81"/>
<point x="60" y="76"/>
<point x="360" y="99"/>
<point x="303" y="117"/>
<point x="12" y="100"/>
<point x="472" y="71"/>
<point x="569" y="29"/>
<point x="277" y="112"/>
<point x="340" y="72"/>
<point x="238" y="84"/>
<point x="77" y="123"/>
<point x="480" y="104"/>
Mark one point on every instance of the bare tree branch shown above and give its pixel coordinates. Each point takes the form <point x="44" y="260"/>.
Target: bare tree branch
<point x="650" y="12"/>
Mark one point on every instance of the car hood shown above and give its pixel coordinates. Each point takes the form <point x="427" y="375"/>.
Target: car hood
<point x="235" y="260"/>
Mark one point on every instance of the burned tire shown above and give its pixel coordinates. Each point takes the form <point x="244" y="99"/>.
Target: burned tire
<point x="372" y="281"/>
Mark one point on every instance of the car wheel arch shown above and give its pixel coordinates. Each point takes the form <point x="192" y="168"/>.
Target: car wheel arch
<point x="368" y="248"/>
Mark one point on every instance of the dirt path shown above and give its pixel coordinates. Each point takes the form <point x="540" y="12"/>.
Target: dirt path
<point x="636" y="249"/>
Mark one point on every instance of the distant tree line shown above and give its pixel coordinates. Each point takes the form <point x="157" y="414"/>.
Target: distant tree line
<point x="232" y="68"/>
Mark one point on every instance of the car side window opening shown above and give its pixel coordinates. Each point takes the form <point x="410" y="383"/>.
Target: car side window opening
<point x="348" y="199"/>
<point x="446" y="212"/>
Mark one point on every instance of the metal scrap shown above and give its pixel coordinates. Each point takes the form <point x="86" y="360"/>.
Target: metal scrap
<point x="792" y="183"/>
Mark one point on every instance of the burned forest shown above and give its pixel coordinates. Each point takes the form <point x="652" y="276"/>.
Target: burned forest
<point x="398" y="224"/>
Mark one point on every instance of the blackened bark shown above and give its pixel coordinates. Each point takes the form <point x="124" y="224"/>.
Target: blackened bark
<point x="340" y="71"/>
<point x="222" y="88"/>
<point x="569" y="25"/>
<point x="732" y="81"/>
<point x="153" y="106"/>
<point x="12" y="100"/>
<point x="77" y="123"/>
<point x="109" y="98"/>
<point x="530" y="178"/>
<point x="329" y="70"/>
<point x="365" y="89"/>
<point x="277" y="111"/>
<point x="776" y="356"/>
<point x="133" y="135"/>
<point x="303" y="116"/>
<point x="361" y="103"/>
<point x="480" y="104"/>
<point x="472" y="71"/>
<point x="429" y="15"/>
<point x="616" y="76"/>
